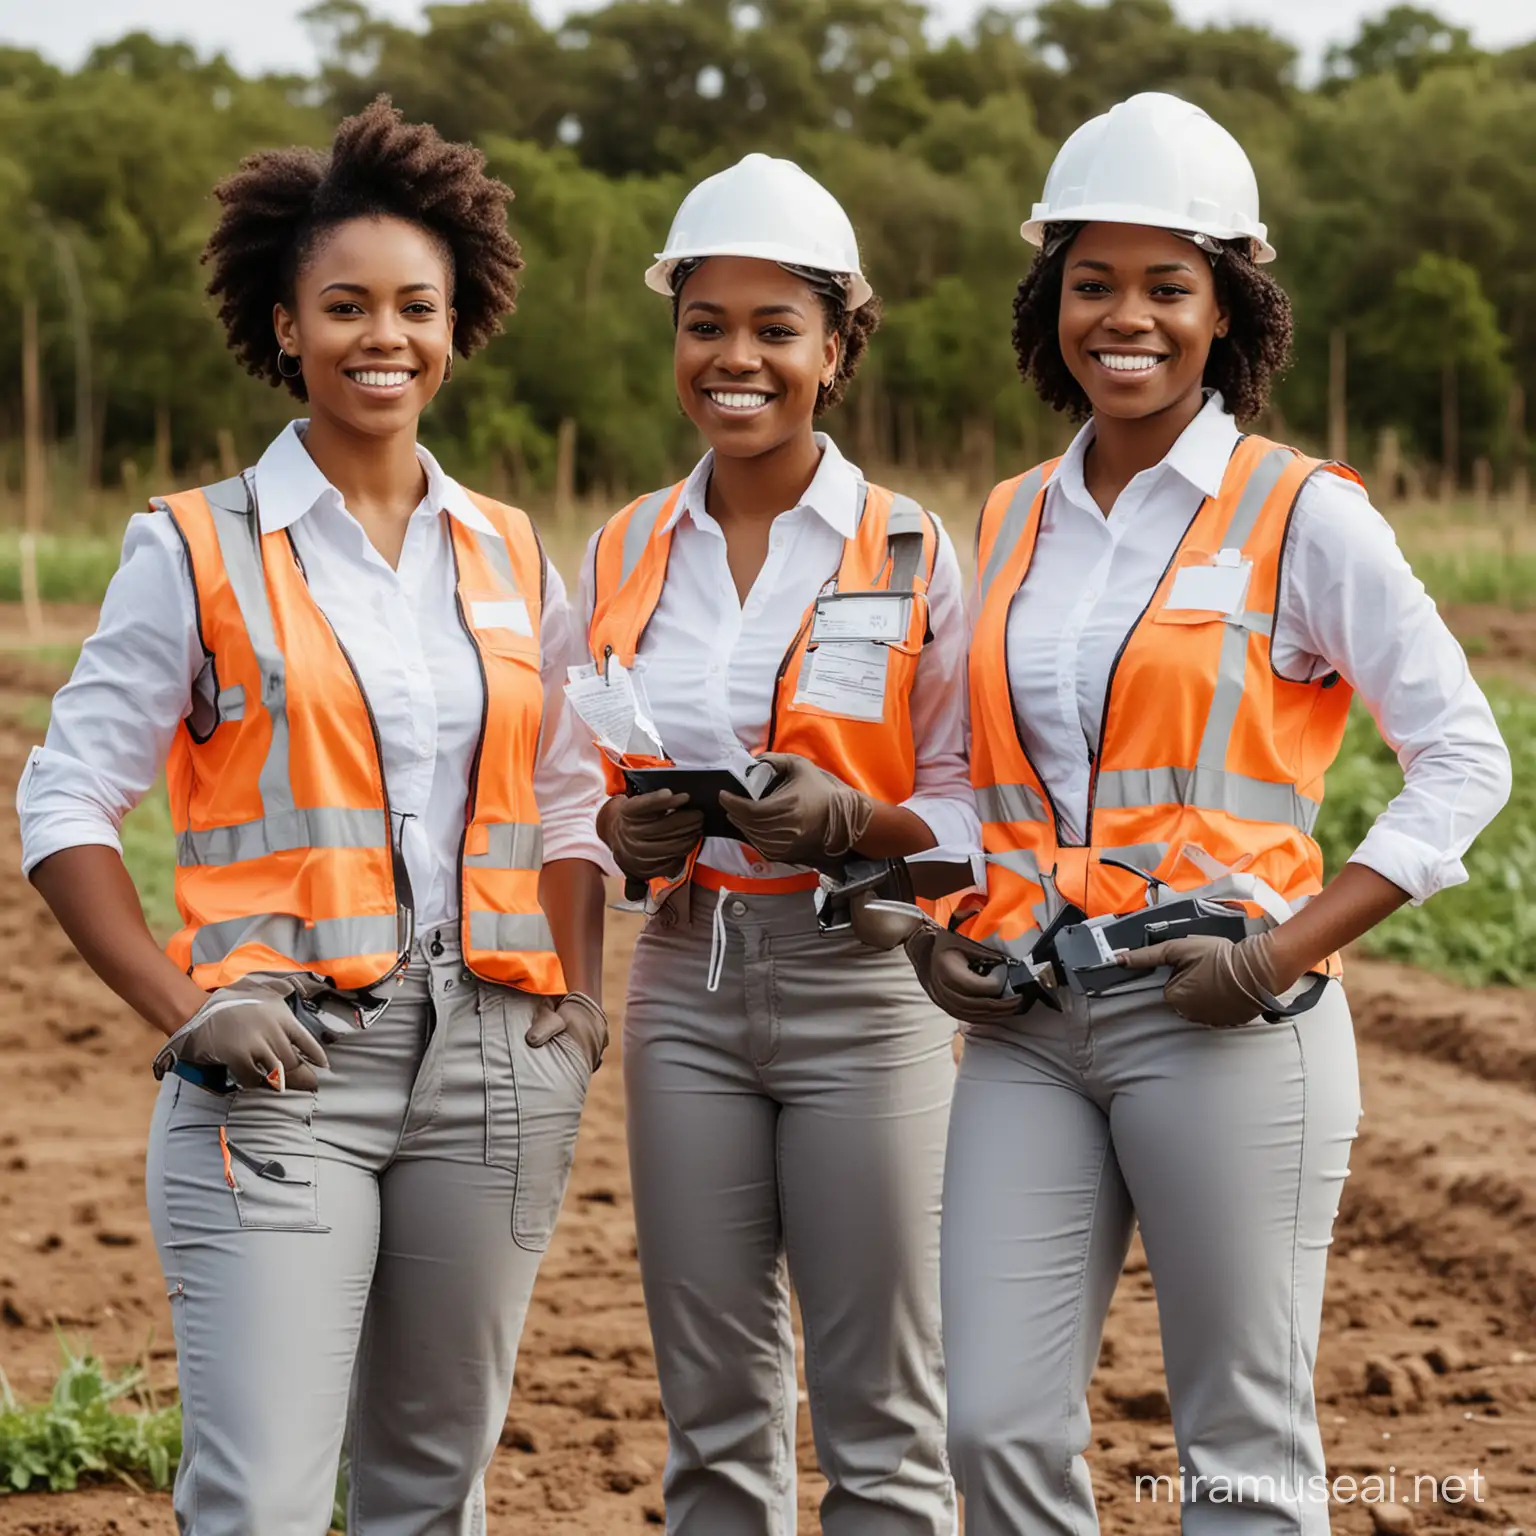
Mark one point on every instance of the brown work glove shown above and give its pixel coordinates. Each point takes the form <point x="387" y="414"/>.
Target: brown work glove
<point x="809" y="817"/>
<point x="577" y="1017"/>
<point x="1216" y="982"/>
<point x="651" y="835"/>
<point x="249" y="1029"/>
<point x="942" y="961"/>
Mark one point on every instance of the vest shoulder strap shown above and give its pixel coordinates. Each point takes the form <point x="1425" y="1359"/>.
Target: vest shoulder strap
<point x="523" y="549"/>
<point x="1003" y="520"/>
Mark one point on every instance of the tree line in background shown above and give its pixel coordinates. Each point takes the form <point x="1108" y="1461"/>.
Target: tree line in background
<point x="1400" y="189"/>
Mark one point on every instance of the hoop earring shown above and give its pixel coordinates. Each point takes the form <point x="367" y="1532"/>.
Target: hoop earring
<point x="448" y="369"/>
<point x="297" y="362"/>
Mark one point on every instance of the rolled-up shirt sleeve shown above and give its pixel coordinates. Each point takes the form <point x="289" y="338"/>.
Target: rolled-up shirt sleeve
<point x="941" y="794"/>
<point x="1352" y="604"/>
<point x="112" y="723"/>
<point x="567" y="783"/>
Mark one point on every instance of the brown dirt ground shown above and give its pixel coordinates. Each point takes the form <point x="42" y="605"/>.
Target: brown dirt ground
<point x="1428" y="1359"/>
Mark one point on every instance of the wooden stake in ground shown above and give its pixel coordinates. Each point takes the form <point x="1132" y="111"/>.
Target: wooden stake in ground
<point x="565" y="471"/>
<point x="33" y="469"/>
<point x="1338" y="410"/>
<point x="1520" y="474"/>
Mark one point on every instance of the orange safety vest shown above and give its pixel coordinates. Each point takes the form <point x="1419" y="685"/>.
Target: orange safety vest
<point x="1202" y="742"/>
<point x="893" y="550"/>
<point x="284" y="855"/>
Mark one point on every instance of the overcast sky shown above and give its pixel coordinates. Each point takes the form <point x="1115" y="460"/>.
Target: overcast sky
<point x="267" y="34"/>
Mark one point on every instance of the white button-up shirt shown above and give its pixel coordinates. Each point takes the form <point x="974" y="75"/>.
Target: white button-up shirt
<point x="709" y="661"/>
<point x="113" y="722"/>
<point x="1348" y="603"/>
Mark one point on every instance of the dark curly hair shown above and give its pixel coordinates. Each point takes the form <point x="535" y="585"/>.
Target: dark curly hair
<point x="852" y="327"/>
<point x="1242" y="363"/>
<point x="282" y="202"/>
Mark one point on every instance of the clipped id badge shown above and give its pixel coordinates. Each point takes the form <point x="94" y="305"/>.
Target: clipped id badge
<point x="876" y="616"/>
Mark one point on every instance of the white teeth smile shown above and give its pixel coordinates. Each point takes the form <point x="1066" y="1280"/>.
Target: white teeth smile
<point x="379" y="378"/>
<point x="738" y="399"/>
<point x="1129" y="362"/>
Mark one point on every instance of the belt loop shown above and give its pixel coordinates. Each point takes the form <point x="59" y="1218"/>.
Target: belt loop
<point x="717" y="939"/>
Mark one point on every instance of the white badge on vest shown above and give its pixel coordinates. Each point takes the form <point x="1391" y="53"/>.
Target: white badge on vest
<point x="845" y="677"/>
<point x="1220" y="587"/>
<point x="879" y="616"/>
<point x="501" y="613"/>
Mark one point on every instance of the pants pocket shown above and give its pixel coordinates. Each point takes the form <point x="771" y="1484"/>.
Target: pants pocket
<point x="268" y="1146"/>
<point x="533" y="1100"/>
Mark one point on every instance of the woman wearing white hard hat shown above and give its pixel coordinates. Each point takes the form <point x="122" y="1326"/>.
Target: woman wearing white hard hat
<point x="1169" y="624"/>
<point x="788" y="1089"/>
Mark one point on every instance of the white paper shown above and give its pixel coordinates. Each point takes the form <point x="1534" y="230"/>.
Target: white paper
<point x="846" y="678"/>
<point x="613" y="710"/>
<point x="501" y="613"/>
<point x="1211" y="588"/>
<point x="861" y="616"/>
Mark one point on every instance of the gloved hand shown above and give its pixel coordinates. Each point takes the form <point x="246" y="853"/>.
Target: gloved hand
<point x="942" y="961"/>
<point x="1216" y="982"/>
<point x="651" y="835"/>
<point x="810" y="817"/>
<point x="249" y="1029"/>
<point x="575" y="1014"/>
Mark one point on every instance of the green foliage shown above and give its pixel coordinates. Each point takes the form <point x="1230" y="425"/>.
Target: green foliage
<point x="1399" y="192"/>
<point x="1481" y="932"/>
<point x="86" y="1432"/>
<point x="72" y="569"/>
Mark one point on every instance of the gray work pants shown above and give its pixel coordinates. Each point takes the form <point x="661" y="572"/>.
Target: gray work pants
<point x="794" y="1118"/>
<point x="376" y="1251"/>
<point x="1230" y="1148"/>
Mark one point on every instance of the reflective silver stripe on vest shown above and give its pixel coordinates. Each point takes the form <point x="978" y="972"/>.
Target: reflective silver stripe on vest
<point x="231" y="703"/>
<point x="1018" y="861"/>
<point x="1012" y="527"/>
<point x="331" y="938"/>
<point x="1142" y="856"/>
<point x="638" y="533"/>
<point x="1232" y="669"/>
<point x="513" y="845"/>
<point x="1015" y="949"/>
<point x="497" y="556"/>
<point x="1009" y="802"/>
<point x="1207" y="789"/>
<point x="237" y="525"/>
<point x="316" y="827"/>
<point x="510" y="932"/>
<point x="904" y="540"/>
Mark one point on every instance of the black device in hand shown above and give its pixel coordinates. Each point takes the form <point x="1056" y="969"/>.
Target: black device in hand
<point x="703" y="786"/>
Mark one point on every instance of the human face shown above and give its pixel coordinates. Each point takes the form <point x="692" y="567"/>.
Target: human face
<point x="753" y="346"/>
<point x="1138" y="316"/>
<point x="372" y="324"/>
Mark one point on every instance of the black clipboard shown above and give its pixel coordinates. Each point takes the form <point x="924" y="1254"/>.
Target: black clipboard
<point x="703" y="787"/>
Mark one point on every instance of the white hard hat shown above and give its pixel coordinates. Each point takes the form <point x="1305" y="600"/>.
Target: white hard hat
<point x="769" y="209"/>
<point x="1156" y="160"/>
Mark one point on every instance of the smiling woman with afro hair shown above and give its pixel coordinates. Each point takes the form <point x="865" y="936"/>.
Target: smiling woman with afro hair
<point x="351" y="669"/>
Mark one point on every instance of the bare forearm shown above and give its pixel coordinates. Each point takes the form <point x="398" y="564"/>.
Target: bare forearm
<point x="1351" y="904"/>
<point x="894" y="832"/>
<point x="94" y="899"/>
<point x="571" y="893"/>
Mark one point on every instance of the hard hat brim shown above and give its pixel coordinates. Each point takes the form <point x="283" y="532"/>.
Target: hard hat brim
<point x="1033" y="230"/>
<point x="658" y="276"/>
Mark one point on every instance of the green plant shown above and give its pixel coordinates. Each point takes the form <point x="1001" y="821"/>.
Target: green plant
<point x="84" y="1431"/>
<point x="72" y="569"/>
<point x="1485" y="930"/>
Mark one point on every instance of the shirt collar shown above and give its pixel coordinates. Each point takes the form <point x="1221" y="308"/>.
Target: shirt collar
<point x="1199" y="457"/>
<point x="290" y="485"/>
<point x="835" y="494"/>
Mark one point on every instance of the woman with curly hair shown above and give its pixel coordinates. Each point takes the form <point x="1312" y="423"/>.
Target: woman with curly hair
<point x="1170" y="621"/>
<point x="381" y="1008"/>
<point x="788" y="1089"/>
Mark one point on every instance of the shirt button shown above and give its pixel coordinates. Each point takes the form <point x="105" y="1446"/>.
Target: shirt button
<point x="424" y="750"/>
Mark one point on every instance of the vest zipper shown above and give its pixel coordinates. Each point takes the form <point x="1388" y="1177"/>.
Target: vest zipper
<point x="399" y="874"/>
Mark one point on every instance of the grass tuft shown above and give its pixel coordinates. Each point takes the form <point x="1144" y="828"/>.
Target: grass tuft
<point x="86" y="1432"/>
